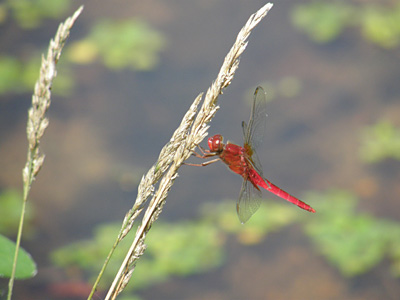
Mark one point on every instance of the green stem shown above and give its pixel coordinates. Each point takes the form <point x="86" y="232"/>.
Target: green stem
<point x="27" y="186"/>
<point x="103" y="268"/>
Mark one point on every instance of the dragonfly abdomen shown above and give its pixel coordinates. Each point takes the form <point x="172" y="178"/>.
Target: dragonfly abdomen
<point x="269" y="186"/>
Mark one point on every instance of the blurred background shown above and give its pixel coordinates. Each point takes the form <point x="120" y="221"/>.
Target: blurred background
<point x="129" y="72"/>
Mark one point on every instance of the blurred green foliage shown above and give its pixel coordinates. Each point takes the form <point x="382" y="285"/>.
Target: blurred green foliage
<point x="10" y="211"/>
<point x="284" y="87"/>
<point x="29" y="14"/>
<point x="353" y="242"/>
<point x="10" y="74"/>
<point x="381" y="25"/>
<point x="177" y="249"/>
<point x="129" y="44"/>
<point x="173" y="249"/>
<point x="324" y="21"/>
<point x="271" y="217"/>
<point x="26" y="267"/>
<point x="19" y="76"/>
<point x="380" y="141"/>
<point x="129" y="297"/>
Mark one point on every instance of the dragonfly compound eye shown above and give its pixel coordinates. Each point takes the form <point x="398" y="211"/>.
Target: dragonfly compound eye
<point x="215" y="143"/>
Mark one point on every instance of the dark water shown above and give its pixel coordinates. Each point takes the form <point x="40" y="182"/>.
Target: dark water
<point x="115" y="123"/>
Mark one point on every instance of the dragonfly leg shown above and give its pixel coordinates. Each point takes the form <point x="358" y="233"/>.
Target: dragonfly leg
<point x="206" y="163"/>
<point x="204" y="153"/>
<point x="202" y="150"/>
<point x="194" y="153"/>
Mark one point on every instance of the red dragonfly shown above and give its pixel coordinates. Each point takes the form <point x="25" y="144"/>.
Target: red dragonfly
<point x="244" y="161"/>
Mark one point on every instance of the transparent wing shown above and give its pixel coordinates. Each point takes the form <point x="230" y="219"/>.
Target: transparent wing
<point x="248" y="202"/>
<point x="244" y="127"/>
<point x="254" y="162"/>
<point x="254" y="131"/>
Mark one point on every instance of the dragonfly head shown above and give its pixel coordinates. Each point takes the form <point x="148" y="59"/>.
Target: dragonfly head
<point x="215" y="143"/>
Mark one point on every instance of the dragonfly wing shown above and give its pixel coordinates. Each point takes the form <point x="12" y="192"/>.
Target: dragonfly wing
<point x="254" y="162"/>
<point x="249" y="201"/>
<point x="244" y="127"/>
<point x="254" y="131"/>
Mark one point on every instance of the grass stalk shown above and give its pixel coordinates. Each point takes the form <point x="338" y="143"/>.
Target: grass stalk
<point x="38" y="122"/>
<point x="192" y="130"/>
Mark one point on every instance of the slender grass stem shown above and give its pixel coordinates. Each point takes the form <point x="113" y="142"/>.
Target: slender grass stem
<point x="38" y="122"/>
<point x="192" y="130"/>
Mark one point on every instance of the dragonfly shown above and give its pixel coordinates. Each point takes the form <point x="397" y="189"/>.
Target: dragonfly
<point x="245" y="162"/>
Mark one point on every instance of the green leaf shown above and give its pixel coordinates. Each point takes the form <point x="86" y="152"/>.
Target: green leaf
<point x="26" y="267"/>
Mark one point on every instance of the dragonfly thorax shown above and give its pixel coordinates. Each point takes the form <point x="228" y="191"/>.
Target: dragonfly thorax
<point x="215" y="143"/>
